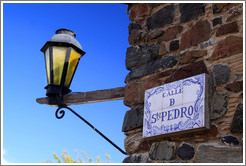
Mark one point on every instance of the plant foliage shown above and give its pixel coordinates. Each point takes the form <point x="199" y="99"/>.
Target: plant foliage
<point x="66" y="158"/>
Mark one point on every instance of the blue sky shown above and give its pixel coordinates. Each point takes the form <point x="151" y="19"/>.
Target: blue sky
<point x="31" y="132"/>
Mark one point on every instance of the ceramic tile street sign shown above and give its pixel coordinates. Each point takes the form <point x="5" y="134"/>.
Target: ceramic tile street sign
<point x="176" y="106"/>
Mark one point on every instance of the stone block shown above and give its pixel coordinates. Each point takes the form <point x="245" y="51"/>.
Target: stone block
<point x="139" y="55"/>
<point x="191" y="56"/>
<point x="139" y="10"/>
<point x="135" y="36"/>
<point x="227" y="28"/>
<point x="167" y="62"/>
<point x="222" y="7"/>
<point x="165" y="73"/>
<point x="154" y="34"/>
<point x="215" y="153"/>
<point x="145" y="145"/>
<point x="217" y="21"/>
<point x="137" y="158"/>
<point x="135" y="33"/>
<point x="133" y="26"/>
<point x="152" y="67"/>
<point x="237" y="122"/>
<point x="133" y="119"/>
<point x="229" y="46"/>
<point x="196" y="34"/>
<point x="132" y="143"/>
<point x="221" y="74"/>
<point x="162" y="49"/>
<point x="229" y="140"/>
<point x="192" y="69"/>
<point x="234" y="14"/>
<point x="236" y="86"/>
<point x="171" y="33"/>
<point x="161" y="18"/>
<point x="218" y="105"/>
<point x="186" y="151"/>
<point x="131" y="93"/>
<point x="162" y="151"/>
<point x="174" y="45"/>
<point x="190" y="11"/>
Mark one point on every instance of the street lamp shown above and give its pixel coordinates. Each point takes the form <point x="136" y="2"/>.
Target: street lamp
<point x="62" y="54"/>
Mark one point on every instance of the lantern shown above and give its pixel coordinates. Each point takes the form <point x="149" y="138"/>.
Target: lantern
<point x="62" y="54"/>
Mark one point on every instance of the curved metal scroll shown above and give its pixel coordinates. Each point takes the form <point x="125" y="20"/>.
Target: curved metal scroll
<point x="62" y="113"/>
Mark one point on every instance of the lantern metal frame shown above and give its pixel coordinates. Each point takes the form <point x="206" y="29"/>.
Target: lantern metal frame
<point x="55" y="93"/>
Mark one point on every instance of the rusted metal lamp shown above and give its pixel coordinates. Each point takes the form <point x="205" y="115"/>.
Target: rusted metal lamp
<point x="62" y="54"/>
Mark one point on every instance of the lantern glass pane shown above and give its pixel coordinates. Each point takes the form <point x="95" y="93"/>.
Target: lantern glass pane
<point x="47" y="63"/>
<point x="73" y="61"/>
<point x="59" y="55"/>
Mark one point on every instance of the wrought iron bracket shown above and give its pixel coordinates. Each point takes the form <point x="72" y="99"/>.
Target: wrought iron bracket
<point x="60" y="113"/>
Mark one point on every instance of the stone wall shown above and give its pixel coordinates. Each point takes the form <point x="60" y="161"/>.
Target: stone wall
<point x="170" y="42"/>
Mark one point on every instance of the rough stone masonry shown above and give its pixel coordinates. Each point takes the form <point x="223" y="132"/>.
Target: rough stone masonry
<point x="173" y="41"/>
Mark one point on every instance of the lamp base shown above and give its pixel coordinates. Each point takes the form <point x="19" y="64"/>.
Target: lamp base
<point x="55" y="94"/>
